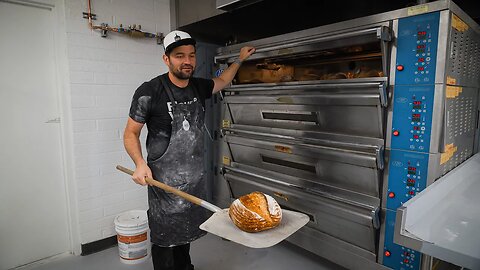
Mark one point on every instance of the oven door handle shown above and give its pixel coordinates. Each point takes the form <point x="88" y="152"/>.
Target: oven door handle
<point x="365" y="83"/>
<point x="382" y="88"/>
<point x="381" y="33"/>
<point x="376" y="218"/>
<point x="380" y="153"/>
<point x="327" y="195"/>
<point x="379" y="149"/>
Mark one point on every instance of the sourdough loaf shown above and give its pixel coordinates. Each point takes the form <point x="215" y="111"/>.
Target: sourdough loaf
<point x="255" y="212"/>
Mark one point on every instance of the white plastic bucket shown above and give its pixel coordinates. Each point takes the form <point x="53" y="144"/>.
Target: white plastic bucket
<point x="132" y="235"/>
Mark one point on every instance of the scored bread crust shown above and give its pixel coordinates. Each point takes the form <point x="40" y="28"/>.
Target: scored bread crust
<point x="255" y="212"/>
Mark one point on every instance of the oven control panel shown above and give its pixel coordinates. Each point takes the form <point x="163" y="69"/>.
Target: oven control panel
<point x="417" y="49"/>
<point x="412" y="117"/>
<point x="407" y="176"/>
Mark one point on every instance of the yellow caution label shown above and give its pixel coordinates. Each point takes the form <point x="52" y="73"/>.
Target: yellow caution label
<point x="226" y="161"/>
<point x="283" y="149"/>
<point x="453" y="91"/>
<point x="287" y="100"/>
<point x="415" y="10"/>
<point x="450" y="149"/>
<point x="225" y="123"/>
<point x="458" y="24"/>
<point x="285" y="51"/>
<point x="451" y="80"/>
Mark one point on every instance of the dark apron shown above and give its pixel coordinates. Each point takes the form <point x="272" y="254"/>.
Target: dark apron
<point x="173" y="220"/>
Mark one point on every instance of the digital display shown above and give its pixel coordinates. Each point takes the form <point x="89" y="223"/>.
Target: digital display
<point x="410" y="184"/>
<point x="416" y="136"/>
<point x="412" y="170"/>
<point x="416" y="128"/>
<point x="417" y="104"/>
<point x="421" y="35"/>
<point x="416" y="117"/>
<point x="409" y="180"/>
<point x="421" y="68"/>
<point x="420" y="48"/>
<point x="421" y="59"/>
<point x="411" y="192"/>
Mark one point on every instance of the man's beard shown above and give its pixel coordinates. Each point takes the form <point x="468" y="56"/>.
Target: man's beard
<point x="182" y="75"/>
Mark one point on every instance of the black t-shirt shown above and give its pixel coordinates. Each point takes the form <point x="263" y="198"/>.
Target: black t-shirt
<point x="151" y="106"/>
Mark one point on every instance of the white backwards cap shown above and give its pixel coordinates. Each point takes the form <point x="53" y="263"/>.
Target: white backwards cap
<point x="177" y="38"/>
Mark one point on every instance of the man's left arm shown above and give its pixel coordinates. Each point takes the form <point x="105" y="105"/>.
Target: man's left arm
<point x="227" y="76"/>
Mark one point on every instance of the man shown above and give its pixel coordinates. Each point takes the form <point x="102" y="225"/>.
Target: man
<point x="172" y="106"/>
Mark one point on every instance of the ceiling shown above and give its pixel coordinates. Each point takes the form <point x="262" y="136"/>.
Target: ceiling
<point x="272" y="17"/>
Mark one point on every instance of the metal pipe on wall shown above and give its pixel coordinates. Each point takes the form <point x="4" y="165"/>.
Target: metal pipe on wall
<point x="133" y="30"/>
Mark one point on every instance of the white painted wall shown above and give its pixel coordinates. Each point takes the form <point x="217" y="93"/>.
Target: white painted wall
<point x="104" y="73"/>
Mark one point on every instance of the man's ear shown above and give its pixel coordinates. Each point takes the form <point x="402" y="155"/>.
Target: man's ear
<point x="166" y="60"/>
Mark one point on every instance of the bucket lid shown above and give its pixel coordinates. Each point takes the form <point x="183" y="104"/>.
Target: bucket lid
<point x="131" y="219"/>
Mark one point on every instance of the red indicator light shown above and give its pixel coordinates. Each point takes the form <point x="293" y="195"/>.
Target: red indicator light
<point x="396" y="133"/>
<point x="411" y="192"/>
<point x="405" y="261"/>
<point x="391" y="195"/>
<point x="387" y="253"/>
<point x="415" y="136"/>
<point x="399" y="67"/>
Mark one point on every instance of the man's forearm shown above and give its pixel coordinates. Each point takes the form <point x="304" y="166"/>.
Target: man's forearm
<point x="228" y="75"/>
<point x="134" y="149"/>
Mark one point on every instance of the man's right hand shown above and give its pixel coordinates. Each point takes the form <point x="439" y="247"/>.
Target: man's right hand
<point x="141" y="172"/>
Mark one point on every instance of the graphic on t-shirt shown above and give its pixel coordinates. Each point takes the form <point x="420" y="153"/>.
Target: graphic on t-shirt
<point x="169" y="105"/>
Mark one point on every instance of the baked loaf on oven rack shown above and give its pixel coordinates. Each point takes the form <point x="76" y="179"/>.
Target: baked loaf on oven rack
<point x="255" y="212"/>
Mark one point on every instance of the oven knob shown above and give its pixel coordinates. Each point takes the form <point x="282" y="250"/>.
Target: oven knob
<point x="387" y="253"/>
<point x="391" y="195"/>
<point x="399" y="67"/>
<point x="396" y="133"/>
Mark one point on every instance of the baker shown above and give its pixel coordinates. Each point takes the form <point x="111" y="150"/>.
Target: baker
<point x="172" y="105"/>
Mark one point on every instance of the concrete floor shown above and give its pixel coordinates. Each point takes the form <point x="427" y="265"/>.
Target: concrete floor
<point x="208" y="253"/>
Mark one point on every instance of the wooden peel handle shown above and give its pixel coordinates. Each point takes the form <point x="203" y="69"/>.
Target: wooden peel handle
<point x="165" y="187"/>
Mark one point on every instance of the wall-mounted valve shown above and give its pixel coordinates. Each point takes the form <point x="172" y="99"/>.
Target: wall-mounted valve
<point x="104" y="30"/>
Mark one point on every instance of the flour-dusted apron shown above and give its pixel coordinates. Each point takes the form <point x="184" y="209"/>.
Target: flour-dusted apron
<point x="174" y="221"/>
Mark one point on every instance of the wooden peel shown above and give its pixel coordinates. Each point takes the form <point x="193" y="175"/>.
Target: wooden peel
<point x="221" y="225"/>
<point x="175" y="191"/>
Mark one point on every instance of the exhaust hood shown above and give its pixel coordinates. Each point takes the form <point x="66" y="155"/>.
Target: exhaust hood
<point x="229" y="5"/>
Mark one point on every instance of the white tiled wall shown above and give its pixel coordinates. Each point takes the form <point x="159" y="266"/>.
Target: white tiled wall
<point x="104" y="73"/>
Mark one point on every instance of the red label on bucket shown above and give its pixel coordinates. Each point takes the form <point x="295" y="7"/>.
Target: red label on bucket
<point x="132" y="239"/>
